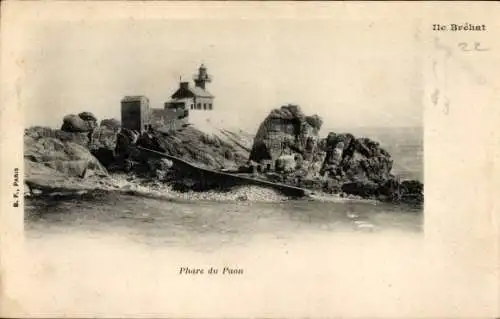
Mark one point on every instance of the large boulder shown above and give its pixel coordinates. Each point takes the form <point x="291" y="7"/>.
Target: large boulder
<point x="68" y="158"/>
<point x="112" y="124"/>
<point x="286" y="131"/>
<point x="38" y="174"/>
<point x="412" y="191"/>
<point x="89" y="117"/>
<point x="124" y="140"/>
<point x="356" y="159"/>
<point x="197" y="147"/>
<point x="315" y="121"/>
<point x="103" y="145"/>
<point x="83" y="122"/>
<point x="103" y="137"/>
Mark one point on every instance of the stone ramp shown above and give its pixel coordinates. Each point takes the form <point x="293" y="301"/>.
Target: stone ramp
<point x="222" y="179"/>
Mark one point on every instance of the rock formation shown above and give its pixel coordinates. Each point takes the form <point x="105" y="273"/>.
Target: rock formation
<point x="355" y="159"/>
<point x="112" y="124"/>
<point x="286" y="149"/>
<point x="103" y="144"/>
<point x="337" y="163"/>
<point x="286" y="131"/>
<point x="53" y="156"/>
<point x="37" y="132"/>
<point x="196" y="147"/>
<point x="83" y="122"/>
<point x="66" y="157"/>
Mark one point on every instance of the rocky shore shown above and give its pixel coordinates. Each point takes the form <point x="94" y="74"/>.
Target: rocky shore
<point x="85" y="156"/>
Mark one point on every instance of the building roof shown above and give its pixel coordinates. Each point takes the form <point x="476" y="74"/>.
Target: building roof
<point x="130" y="98"/>
<point x="198" y="91"/>
<point x="194" y="91"/>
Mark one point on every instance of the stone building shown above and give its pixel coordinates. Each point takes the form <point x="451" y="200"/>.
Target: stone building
<point x="135" y="112"/>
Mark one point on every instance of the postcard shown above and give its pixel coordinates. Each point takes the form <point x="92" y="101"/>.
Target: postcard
<point x="250" y="159"/>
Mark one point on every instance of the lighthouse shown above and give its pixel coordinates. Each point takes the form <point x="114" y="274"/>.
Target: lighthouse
<point x="194" y="97"/>
<point x="189" y="103"/>
<point x="202" y="77"/>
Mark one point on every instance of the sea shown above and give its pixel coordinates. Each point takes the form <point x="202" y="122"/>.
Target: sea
<point x="121" y="254"/>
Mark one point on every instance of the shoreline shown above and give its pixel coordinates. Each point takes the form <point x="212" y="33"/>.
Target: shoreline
<point x="124" y="185"/>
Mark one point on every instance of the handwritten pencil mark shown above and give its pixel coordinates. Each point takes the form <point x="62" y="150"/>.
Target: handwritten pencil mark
<point x="464" y="46"/>
<point x="477" y="77"/>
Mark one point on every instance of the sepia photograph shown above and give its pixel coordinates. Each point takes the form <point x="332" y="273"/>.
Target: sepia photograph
<point x="165" y="155"/>
<point x="172" y="131"/>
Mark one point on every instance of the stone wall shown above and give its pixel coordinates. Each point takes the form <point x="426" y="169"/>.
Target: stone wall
<point x="168" y="119"/>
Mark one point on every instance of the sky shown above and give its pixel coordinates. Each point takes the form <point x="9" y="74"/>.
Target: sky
<point x="351" y="72"/>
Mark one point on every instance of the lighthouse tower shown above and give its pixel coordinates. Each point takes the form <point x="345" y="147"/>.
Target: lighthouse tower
<point x="197" y="99"/>
<point x="202" y="77"/>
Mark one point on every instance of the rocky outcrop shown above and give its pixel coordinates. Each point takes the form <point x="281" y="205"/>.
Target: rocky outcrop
<point x="286" y="131"/>
<point x="112" y="124"/>
<point x="68" y="158"/>
<point x="74" y="154"/>
<point x="37" y="132"/>
<point x="124" y="140"/>
<point x="103" y="145"/>
<point x="287" y="135"/>
<point x="101" y="141"/>
<point x="355" y="159"/>
<point x="196" y="147"/>
<point x="83" y="122"/>
<point x="188" y="145"/>
<point x="66" y="151"/>
<point x="364" y="169"/>
<point x="286" y="149"/>
<point x="315" y="121"/>
<point x="339" y="163"/>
